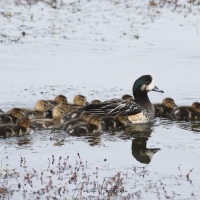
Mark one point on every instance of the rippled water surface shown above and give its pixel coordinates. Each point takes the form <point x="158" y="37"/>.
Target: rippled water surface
<point x="44" y="165"/>
<point x="158" y="162"/>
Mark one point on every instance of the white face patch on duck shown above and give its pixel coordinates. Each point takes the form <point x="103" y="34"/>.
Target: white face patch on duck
<point x="151" y="86"/>
<point x="148" y="87"/>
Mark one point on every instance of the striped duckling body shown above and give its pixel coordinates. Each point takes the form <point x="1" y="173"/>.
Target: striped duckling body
<point x="56" y="122"/>
<point x="187" y="112"/>
<point x="92" y="127"/>
<point x="165" y="108"/>
<point x="22" y="127"/>
<point x="84" y="117"/>
<point x="12" y="116"/>
<point x="117" y="122"/>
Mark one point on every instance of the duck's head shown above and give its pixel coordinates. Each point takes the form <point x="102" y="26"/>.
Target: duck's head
<point x="123" y="118"/>
<point x="85" y="116"/>
<point x="80" y="100"/>
<point x="65" y="106"/>
<point x="95" y="120"/>
<point x="168" y="103"/>
<point x="42" y="106"/>
<point x="60" y="98"/>
<point x="58" y="112"/>
<point x="24" y="122"/>
<point x="196" y="107"/>
<point x="17" y="112"/>
<point x="145" y="84"/>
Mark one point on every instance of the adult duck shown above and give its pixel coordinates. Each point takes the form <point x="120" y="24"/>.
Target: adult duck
<point x="140" y="111"/>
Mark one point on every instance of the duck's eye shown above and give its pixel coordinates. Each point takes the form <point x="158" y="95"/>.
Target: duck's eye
<point x="148" y="82"/>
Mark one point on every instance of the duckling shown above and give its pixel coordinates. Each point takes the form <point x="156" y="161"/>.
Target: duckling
<point x="74" y="114"/>
<point x="79" y="102"/>
<point x="127" y="97"/>
<point x="92" y="127"/>
<point x="84" y="117"/>
<point x="21" y="128"/>
<point x="187" y="112"/>
<point x="124" y="98"/>
<point x="117" y="122"/>
<point x="59" y="99"/>
<point x="63" y="105"/>
<point x="39" y="111"/>
<point x="165" y="109"/>
<point x="66" y="107"/>
<point x="56" y="122"/>
<point x="11" y="117"/>
<point x="95" y="101"/>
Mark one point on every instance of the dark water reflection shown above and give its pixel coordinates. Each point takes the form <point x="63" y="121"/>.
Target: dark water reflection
<point x="193" y="126"/>
<point x="140" y="151"/>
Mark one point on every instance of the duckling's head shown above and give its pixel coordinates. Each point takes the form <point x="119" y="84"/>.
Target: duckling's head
<point x="42" y="106"/>
<point x="127" y="97"/>
<point x="85" y="116"/>
<point x="168" y="103"/>
<point x="196" y="106"/>
<point x="95" y="120"/>
<point x="60" y="98"/>
<point x="80" y="100"/>
<point x="24" y="122"/>
<point x="123" y="119"/>
<point x="65" y="106"/>
<point x="145" y="84"/>
<point x="17" y="112"/>
<point x="96" y="101"/>
<point x="58" y="112"/>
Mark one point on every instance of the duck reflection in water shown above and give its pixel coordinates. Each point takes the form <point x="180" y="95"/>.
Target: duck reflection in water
<point x="140" y="151"/>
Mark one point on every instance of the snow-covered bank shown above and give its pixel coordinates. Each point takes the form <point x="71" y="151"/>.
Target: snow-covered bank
<point x="108" y="20"/>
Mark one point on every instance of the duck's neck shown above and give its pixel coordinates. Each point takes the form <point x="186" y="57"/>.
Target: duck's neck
<point x="142" y="99"/>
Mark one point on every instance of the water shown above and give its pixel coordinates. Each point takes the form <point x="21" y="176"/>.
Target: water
<point x="173" y="171"/>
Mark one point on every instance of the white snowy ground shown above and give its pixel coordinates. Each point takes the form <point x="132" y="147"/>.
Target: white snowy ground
<point x="98" y="48"/>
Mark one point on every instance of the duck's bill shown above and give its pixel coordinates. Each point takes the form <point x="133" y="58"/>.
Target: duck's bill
<point x="156" y="89"/>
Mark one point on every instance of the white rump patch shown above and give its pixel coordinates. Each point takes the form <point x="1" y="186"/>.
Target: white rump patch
<point x="139" y="118"/>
